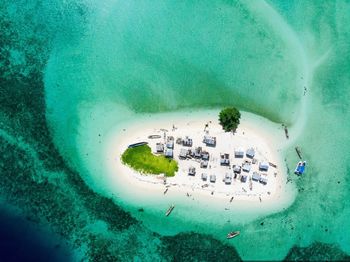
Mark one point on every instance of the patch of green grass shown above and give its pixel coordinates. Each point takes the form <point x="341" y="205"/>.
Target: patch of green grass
<point x="141" y="159"/>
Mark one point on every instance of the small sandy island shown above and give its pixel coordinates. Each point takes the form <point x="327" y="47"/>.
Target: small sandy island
<point x="245" y="166"/>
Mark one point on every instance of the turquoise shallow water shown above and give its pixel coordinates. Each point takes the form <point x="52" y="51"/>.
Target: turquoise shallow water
<point x="139" y="57"/>
<point x="104" y="58"/>
<point x="147" y="58"/>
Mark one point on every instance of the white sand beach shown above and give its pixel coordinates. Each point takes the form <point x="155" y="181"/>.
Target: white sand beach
<point x="253" y="132"/>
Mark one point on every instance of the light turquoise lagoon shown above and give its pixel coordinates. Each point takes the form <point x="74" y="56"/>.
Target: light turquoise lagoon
<point x="287" y="61"/>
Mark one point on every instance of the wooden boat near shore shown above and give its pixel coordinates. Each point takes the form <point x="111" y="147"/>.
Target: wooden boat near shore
<point x="154" y="136"/>
<point x="170" y="209"/>
<point x="232" y="234"/>
<point x="298" y="150"/>
<point x="286" y="132"/>
<point x="273" y="165"/>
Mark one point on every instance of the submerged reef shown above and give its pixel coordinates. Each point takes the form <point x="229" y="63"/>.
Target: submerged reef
<point x="317" y="252"/>
<point x="197" y="247"/>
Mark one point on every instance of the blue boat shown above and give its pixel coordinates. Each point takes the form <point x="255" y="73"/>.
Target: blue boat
<point x="300" y="169"/>
<point x="137" y="144"/>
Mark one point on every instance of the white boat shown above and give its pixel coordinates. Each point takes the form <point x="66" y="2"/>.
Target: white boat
<point x="232" y="234"/>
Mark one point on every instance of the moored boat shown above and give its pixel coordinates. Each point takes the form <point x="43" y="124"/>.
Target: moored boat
<point x="298" y="150"/>
<point x="300" y="168"/>
<point x="232" y="234"/>
<point x="170" y="209"/>
<point x="273" y="165"/>
<point x="154" y="136"/>
<point x="286" y="132"/>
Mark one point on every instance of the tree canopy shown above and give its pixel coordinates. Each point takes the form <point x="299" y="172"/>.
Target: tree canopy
<point x="229" y="118"/>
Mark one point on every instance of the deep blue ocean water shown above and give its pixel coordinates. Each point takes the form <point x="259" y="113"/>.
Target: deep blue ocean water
<point x="23" y="240"/>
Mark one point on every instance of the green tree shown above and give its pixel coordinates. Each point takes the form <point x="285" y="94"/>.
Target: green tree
<point x="229" y="118"/>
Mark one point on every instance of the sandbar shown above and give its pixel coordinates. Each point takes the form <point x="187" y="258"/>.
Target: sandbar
<point x="266" y="138"/>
